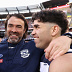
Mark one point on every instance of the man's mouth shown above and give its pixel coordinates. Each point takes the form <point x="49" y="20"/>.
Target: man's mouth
<point x="13" y="36"/>
<point x="35" y="38"/>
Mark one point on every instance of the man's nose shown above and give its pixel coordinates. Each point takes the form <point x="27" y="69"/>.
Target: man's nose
<point x="33" y="32"/>
<point x="14" y="29"/>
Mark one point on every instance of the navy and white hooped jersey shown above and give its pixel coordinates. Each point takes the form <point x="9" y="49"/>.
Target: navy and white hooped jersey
<point x="44" y="64"/>
<point x="22" y="57"/>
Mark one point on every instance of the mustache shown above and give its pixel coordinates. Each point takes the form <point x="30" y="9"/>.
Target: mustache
<point x="16" y="33"/>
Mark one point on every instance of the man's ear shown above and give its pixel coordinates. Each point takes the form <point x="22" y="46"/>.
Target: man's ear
<point x="54" y="30"/>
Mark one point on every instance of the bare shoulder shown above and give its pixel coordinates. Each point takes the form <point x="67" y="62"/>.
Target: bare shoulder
<point x="62" y="64"/>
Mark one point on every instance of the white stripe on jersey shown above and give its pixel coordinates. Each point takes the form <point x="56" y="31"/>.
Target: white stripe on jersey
<point x="70" y="50"/>
<point x="44" y="67"/>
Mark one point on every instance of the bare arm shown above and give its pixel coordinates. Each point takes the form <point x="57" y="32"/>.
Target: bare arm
<point x="57" y="47"/>
<point x="62" y="64"/>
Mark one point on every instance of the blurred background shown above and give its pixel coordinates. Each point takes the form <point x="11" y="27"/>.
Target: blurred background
<point x="28" y="7"/>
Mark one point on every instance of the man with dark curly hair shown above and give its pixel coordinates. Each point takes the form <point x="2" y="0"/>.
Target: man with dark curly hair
<point x="48" y="25"/>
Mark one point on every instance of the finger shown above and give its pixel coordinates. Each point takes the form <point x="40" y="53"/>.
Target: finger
<point x="45" y="50"/>
<point x="51" y="58"/>
<point x="59" y="54"/>
<point x="55" y="48"/>
<point x="54" y="54"/>
<point x="46" y="55"/>
<point x="48" y="50"/>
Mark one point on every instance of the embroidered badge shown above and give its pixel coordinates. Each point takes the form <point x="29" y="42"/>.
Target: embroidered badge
<point x="25" y="53"/>
<point x="1" y="55"/>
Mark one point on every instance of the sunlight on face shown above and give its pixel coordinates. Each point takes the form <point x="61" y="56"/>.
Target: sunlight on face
<point x="15" y="29"/>
<point x="41" y="34"/>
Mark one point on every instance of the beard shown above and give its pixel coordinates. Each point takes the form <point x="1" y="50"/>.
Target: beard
<point x="14" y="40"/>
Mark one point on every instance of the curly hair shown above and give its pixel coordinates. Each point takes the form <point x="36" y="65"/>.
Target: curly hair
<point x="20" y="16"/>
<point x="52" y="16"/>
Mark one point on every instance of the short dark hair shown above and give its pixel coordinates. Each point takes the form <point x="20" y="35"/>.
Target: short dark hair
<point x="20" y="16"/>
<point x="52" y="16"/>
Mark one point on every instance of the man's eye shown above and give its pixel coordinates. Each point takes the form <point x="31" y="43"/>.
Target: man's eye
<point x="36" y="26"/>
<point x="9" y="25"/>
<point x="19" y="26"/>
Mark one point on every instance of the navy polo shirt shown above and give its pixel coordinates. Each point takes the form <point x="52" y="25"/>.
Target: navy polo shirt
<point x="21" y="57"/>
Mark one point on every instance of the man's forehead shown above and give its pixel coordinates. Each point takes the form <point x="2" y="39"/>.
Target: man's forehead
<point x="15" y="20"/>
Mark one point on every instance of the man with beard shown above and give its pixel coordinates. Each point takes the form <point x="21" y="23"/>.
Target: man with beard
<point x="15" y="54"/>
<point x="48" y="25"/>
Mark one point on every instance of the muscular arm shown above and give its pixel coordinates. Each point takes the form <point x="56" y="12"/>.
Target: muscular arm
<point x="57" y="47"/>
<point x="62" y="64"/>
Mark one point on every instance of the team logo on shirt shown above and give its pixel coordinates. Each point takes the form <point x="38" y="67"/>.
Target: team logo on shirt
<point x="1" y="55"/>
<point x="25" y="53"/>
